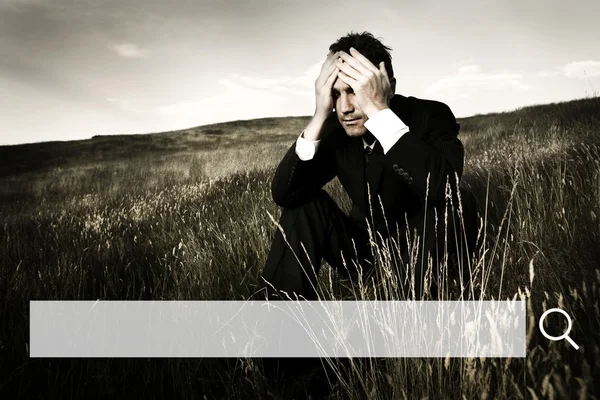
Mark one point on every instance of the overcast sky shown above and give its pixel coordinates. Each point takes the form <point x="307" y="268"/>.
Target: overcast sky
<point x="71" y="69"/>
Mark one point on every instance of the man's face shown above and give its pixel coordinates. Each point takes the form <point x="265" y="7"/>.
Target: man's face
<point x="348" y="112"/>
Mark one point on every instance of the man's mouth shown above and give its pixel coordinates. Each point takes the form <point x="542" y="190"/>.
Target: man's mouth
<point x="351" y="121"/>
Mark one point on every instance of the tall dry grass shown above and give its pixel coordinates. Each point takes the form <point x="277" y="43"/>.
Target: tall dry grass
<point x="194" y="225"/>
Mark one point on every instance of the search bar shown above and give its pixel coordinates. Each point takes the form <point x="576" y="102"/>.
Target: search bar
<point x="277" y="328"/>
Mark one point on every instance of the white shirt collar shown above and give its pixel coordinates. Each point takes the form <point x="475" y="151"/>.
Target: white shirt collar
<point x="365" y="144"/>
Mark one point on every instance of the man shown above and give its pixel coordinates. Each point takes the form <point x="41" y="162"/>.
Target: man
<point x="397" y="158"/>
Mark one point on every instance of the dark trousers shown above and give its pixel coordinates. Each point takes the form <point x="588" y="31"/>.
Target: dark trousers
<point x="319" y="230"/>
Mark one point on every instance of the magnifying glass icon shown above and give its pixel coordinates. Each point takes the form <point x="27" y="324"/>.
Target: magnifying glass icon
<point x="564" y="335"/>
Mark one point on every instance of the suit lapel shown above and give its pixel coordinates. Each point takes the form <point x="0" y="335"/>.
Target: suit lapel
<point x="374" y="170"/>
<point x="356" y="155"/>
<point x="353" y="157"/>
<point x="401" y="107"/>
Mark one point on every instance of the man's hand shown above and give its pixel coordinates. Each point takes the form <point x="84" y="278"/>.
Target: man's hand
<point x="323" y="85"/>
<point x="371" y="85"/>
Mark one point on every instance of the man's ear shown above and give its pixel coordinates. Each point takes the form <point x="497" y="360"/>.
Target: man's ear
<point x="393" y="87"/>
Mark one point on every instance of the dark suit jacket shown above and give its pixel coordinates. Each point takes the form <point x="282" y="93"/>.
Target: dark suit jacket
<point x="431" y="148"/>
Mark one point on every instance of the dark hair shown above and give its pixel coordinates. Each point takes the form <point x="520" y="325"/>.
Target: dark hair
<point x="368" y="46"/>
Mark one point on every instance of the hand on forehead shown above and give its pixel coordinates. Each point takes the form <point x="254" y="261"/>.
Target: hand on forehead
<point x="356" y="60"/>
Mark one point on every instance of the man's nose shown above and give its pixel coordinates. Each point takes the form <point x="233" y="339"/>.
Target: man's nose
<point x="346" y="105"/>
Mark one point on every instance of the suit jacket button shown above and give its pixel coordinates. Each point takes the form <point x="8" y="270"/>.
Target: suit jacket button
<point x="410" y="180"/>
<point x="395" y="167"/>
<point x="405" y="175"/>
<point x="400" y="171"/>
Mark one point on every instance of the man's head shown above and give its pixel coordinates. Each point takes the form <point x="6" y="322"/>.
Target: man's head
<point x="343" y="97"/>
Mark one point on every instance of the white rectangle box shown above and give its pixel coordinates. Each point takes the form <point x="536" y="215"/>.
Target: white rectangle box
<point x="277" y="329"/>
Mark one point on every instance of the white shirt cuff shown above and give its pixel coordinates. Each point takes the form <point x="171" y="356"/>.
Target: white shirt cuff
<point x="387" y="128"/>
<point x="306" y="149"/>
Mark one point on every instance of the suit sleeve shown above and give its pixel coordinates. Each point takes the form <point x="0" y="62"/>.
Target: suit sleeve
<point x="295" y="181"/>
<point x="439" y="155"/>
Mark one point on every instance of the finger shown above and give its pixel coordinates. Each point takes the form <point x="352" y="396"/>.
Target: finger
<point x="348" y="80"/>
<point x="383" y="70"/>
<point x="355" y="63"/>
<point x="327" y="68"/>
<point x="348" y="70"/>
<point x="332" y="74"/>
<point x="364" y="60"/>
<point x="330" y="59"/>
<point x="327" y="64"/>
<point x="333" y="56"/>
<point x="332" y="78"/>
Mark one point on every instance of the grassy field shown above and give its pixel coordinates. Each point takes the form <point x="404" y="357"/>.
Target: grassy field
<point x="185" y="216"/>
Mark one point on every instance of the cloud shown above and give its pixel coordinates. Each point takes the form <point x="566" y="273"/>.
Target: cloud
<point x="18" y="4"/>
<point x="301" y="85"/>
<point x="234" y="101"/>
<point x="246" y="97"/>
<point x="462" y="63"/>
<point x="549" y="73"/>
<point x="128" y="50"/>
<point x="470" y="79"/>
<point x="123" y="104"/>
<point x="575" y="70"/>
